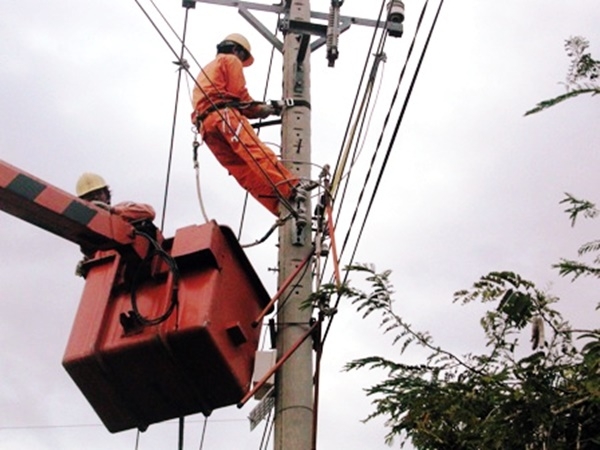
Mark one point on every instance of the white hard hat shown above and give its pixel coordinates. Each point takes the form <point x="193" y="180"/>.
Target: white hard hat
<point x="244" y="43"/>
<point x="89" y="182"/>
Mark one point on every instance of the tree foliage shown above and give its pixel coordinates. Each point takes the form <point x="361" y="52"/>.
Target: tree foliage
<point x="582" y="77"/>
<point x="509" y="397"/>
<point x="541" y="394"/>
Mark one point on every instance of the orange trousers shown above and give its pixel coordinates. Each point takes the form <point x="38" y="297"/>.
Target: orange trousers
<point x="256" y="168"/>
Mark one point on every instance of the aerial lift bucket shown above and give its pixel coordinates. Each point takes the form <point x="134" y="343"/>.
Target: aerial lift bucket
<point x="193" y="349"/>
<point x="165" y="327"/>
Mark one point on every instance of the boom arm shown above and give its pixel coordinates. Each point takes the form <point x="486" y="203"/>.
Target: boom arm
<point x="39" y="203"/>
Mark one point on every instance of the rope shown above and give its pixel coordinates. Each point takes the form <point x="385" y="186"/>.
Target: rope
<point x="244" y="207"/>
<point x="196" y="144"/>
<point x="365" y="123"/>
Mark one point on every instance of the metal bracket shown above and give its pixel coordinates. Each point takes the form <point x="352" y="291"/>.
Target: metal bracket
<point x="298" y="78"/>
<point x="258" y="26"/>
<point x="304" y="41"/>
<point x="394" y="29"/>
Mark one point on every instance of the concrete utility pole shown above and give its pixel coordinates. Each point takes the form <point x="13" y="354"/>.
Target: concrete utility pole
<point x="294" y="379"/>
<point x="293" y="382"/>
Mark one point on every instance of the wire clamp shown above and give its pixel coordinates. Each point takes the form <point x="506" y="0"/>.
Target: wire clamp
<point x="182" y="64"/>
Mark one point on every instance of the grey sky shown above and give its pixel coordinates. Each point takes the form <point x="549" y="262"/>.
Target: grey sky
<point x="471" y="185"/>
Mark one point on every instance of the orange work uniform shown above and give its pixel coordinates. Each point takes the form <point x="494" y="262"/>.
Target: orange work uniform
<point x="230" y="136"/>
<point x="133" y="212"/>
<point x="130" y="211"/>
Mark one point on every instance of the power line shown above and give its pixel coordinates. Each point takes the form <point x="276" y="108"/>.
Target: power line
<point x="390" y="145"/>
<point x="100" y="425"/>
<point x="397" y="127"/>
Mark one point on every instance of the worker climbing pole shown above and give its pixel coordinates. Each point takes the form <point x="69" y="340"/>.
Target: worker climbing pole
<point x="295" y="330"/>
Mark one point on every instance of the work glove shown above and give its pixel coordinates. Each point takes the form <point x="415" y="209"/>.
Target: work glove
<point x="264" y="111"/>
<point x="102" y="205"/>
<point x="277" y="106"/>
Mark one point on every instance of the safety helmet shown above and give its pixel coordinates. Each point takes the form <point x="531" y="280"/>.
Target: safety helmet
<point x="242" y="42"/>
<point x="89" y="182"/>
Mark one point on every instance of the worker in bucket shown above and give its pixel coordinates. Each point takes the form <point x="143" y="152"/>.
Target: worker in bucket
<point x="91" y="187"/>
<point x="222" y="106"/>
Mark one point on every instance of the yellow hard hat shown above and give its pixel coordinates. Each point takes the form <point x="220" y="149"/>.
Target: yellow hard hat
<point x="89" y="182"/>
<point x="244" y="43"/>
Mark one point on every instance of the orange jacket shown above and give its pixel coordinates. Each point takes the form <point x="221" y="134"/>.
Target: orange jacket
<point x="132" y="212"/>
<point x="221" y="81"/>
<point x="129" y="211"/>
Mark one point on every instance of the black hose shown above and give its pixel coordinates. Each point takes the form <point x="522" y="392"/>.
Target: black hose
<point x="156" y="250"/>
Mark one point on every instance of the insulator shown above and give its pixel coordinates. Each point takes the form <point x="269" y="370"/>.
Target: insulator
<point x="333" y="33"/>
<point x="395" y="11"/>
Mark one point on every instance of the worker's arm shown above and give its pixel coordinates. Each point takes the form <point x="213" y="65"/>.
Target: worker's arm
<point x="132" y="211"/>
<point x="236" y="86"/>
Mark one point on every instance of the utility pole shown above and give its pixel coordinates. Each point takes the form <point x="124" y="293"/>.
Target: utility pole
<point x="293" y="382"/>
<point x="294" y="398"/>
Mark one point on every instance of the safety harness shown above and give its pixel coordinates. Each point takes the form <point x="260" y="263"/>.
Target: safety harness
<point x="215" y="107"/>
<point x="277" y="104"/>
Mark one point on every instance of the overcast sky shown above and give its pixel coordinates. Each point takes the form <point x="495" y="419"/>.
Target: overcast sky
<point x="472" y="185"/>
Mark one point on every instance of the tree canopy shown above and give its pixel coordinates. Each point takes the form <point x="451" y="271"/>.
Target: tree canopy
<point x="542" y="394"/>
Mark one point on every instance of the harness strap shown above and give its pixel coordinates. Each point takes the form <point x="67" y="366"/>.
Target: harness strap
<point x="216" y="107"/>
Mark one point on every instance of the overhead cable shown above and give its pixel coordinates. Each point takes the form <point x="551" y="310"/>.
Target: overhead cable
<point x="391" y="144"/>
<point x="384" y="127"/>
<point x="396" y="129"/>
<point x="174" y="123"/>
<point x="346" y="142"/>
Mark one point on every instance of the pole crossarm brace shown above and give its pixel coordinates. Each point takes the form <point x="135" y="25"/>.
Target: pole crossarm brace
<point x="297" y="26"/>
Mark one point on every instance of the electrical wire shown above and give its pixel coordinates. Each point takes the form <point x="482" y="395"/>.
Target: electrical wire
<point x="393" y="138"/>
<point x="283" y="301"/>
<point x="351" y="135"/>
<point x="346" y="142"/>
<point x="199" y="191"/>
<point x="384" y="127"/>
<point x="168" y="259"/>
<point x="174" y="123"/>
<point x="365" y="126"/>
<point x="203" y="433"/>
<point x="266" y="437"/>
<point x="396" y="129"/>
<point x="264" y="98"/>
<point x="181" y="433"/>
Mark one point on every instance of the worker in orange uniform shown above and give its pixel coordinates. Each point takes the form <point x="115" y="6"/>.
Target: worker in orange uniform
<point x="222" y="106"/>
<point x="92" y="188"/>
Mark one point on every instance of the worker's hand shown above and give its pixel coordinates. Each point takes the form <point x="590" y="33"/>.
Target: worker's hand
<point x="102" y="205"/>
<point x="277" y="106"/>
<point x="264" y="111"/>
